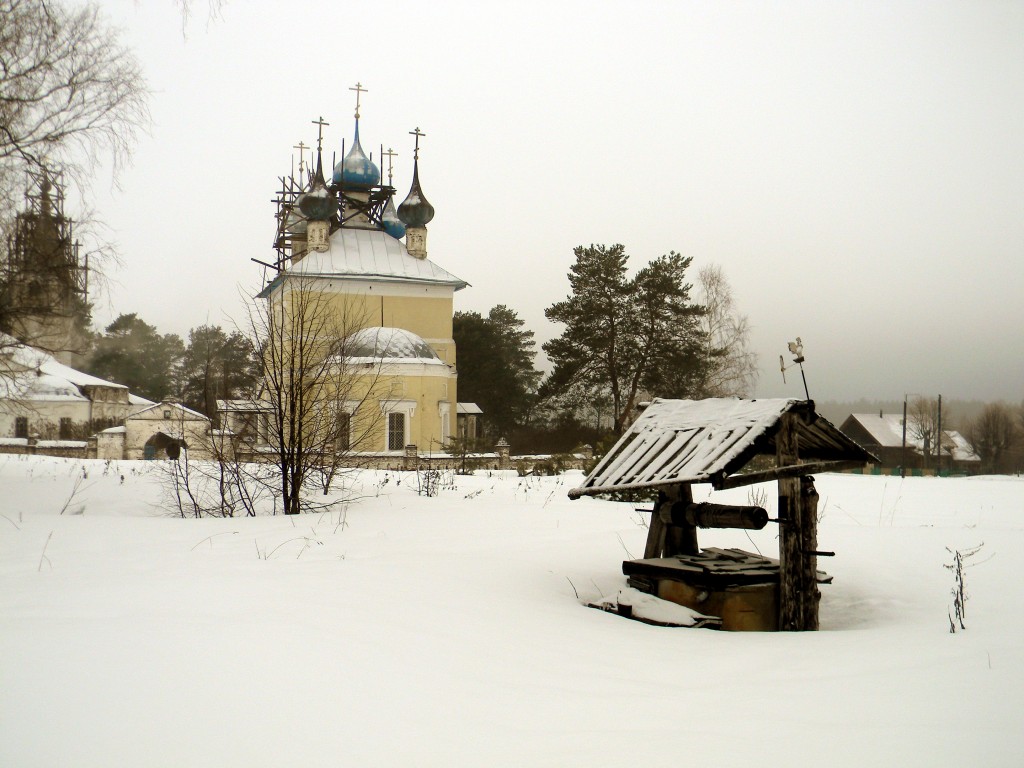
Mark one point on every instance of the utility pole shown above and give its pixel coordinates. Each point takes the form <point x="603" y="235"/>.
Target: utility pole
<point x="903" y="453"/>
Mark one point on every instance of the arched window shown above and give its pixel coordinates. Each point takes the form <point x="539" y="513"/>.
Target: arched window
<point x="398" y="423"/>
<point x="396" y="431"/>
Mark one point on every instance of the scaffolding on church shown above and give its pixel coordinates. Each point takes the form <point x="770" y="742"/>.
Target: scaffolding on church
<point x="43" y="268"/>
<point x="292" y="223"/>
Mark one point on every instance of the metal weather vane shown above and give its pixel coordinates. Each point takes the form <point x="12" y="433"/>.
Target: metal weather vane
<point x="796" y="348"/>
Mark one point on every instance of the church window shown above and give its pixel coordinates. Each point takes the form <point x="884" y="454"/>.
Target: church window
<point x="445" y="413"/>
<point x="344" y="431"/>
<point x="21" y="426"/>
<point x="396" y="431"/>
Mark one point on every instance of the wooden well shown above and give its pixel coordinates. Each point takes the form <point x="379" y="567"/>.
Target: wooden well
<point x="676" y="443"/>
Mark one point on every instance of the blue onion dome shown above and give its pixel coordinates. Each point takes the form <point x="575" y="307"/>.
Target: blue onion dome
<point x="390" y="222"/>
<point x="356" y="171"/>
<point x="415" y="210"/>
<point x="318" y="204"/>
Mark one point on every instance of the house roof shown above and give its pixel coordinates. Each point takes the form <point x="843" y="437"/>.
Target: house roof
<point x="886" y="430"/>
<point x="166" y="404"/>
<point x="694" y="441"/>
<point x="467" y="408"/>
<point x="39" y="376"/>
<point x="368" y="254"/>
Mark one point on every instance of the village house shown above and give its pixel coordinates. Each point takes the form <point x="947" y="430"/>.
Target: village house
<point x="883" y="435"/>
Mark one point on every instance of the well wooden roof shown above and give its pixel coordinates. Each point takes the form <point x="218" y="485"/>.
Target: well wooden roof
<point x="701" y="441"/>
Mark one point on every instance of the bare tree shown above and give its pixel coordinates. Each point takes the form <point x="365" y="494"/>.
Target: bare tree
<point x="313" y="416"/>
<point x="731" y="366"/>
<point x="992" y="435"/>
<point x="71" y="95"/>
<point x="320" y="399"/>
<point x="923" y="423"/>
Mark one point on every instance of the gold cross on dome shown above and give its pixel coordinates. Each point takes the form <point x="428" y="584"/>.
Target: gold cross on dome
<point x="417" y="133"/>
<point x="359" y="91"/>
<point x="320" y="132"/>
<point x="389" y="155"/>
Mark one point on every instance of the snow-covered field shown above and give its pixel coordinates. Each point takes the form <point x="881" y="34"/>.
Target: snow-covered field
<point x="446" y="631"/>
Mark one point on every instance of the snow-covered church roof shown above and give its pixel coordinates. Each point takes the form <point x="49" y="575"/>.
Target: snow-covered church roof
<point x="36" y="375"/>
<point x="395" y="345"/>
<point x="369" y="254"/>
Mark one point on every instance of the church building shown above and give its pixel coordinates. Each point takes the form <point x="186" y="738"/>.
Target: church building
<point x="383" y="308"/>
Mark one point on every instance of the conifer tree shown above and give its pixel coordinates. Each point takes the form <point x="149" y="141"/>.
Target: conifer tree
<point x="496" y="370"/>
<point x="629" y="336"/>
<point x="216" y="366"/>
<point x="133" y="353"/>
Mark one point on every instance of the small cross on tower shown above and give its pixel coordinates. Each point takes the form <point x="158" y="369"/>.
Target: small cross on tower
<point x="417" y="133"/>
<point x="389" y="155"/>
<point x="302" y="149"/>
<point x="359" y="91"/>
<point x="320" y="132"/>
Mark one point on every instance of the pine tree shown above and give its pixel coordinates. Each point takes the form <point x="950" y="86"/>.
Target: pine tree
<point x="216" y="365"/>
<point x="627" y="336"/>
<point x="133" y="353"/>
<point x="496" y="370"/>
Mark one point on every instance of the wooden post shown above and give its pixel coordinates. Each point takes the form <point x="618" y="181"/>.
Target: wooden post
<point x="790" y="534"/>
<point x="681" y="539"/>
<point x="809" y="560"/>
<point x="656" y="530"/>
<point x="665" y="540"/>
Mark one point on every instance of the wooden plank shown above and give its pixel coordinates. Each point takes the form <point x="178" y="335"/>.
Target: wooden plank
<point x="721" y="483"/>
<point x="656" y="531"/>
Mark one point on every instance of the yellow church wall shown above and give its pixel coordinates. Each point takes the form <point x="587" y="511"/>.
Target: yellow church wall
<point x="414" y="388"/>
<point x="423" y="398"/>
<point x="426" y="311"/>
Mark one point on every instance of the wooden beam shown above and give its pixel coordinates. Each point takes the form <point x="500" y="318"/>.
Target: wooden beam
<point x="790" y="534"/>
<point x="681" y="537"/>
<point x="707" y="515"/>
<point x="809" y="559"/>
<point x="721" y="483"/>
<point x="656" y="530"/>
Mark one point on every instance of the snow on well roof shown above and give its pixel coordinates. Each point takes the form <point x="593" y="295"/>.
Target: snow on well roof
<point x="374" y="255"/>
<point x="694" y="441"/>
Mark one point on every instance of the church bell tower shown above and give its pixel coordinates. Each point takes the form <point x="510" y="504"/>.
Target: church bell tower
<point x="44" y="284"/>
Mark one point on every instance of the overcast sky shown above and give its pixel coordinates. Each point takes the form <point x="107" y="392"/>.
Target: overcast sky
<point x="857" y="169"/>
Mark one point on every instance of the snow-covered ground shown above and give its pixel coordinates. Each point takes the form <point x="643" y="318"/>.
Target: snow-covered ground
<point x="413" y="631"/>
